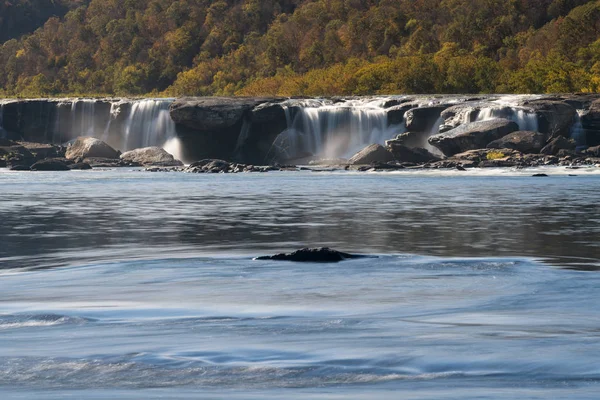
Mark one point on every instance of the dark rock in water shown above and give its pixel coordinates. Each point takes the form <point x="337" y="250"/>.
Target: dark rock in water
<point x="50" y="164"/>
<point x="460" y="168"/>
<point x="476" y="135"/>
<point x="557" y="144"/>
<point x="80" y="166"/>
<point x="554" y="117"/>
<point x="523" y="141"/>
<point x="89" y="147"/>
<point x="371" y="154"/>
<point x="389" y="166"/>
<point x="539" y="175"/>
<point x="151" y="156"/>
<point x="2" y="163"/>
<point x="411" y="155"/>
<point x="422" y="119"/>
<point x="321" y="254"/>
<point x="20" y="168"/>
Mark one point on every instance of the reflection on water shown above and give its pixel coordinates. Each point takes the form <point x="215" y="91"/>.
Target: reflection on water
<point x="158" y="296"/>
<point x="58" y="219"/>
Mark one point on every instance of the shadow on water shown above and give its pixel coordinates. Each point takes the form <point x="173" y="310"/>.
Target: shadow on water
<point x="73" y="219"/>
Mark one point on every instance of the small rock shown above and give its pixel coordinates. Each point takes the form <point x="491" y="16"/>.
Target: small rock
<point x="321" y="254"/>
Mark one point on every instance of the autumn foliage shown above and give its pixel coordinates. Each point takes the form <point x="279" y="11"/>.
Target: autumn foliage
<point x="303" y="47"/>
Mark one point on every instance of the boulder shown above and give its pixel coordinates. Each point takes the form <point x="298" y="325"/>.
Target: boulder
<point x="409" y="139"/>
<point x="422" y="119"/>
<point x="50" y="164"/>
<point x="415" y="155"/>
<point x="20" y="168"/>
<point x="523" y="141"/>
<point x="89" y="147"/>
<point x="371" y="154"/>
<point x="557" y="144"/>
<point x="151" y="156"/>
<point x="554" y="117"/>
<point x="321" y="255"/>
<point x="476" y="135"/>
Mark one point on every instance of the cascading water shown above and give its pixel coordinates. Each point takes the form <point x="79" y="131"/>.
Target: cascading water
<point x="578" y="133"/>
<point x="527" y="121"/>
<point x="331" y="130"/>
<point x="123" y="124"/>
<point x="148" y="124"/>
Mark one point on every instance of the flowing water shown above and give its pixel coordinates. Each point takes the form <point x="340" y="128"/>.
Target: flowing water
<point x="128" y="284"/>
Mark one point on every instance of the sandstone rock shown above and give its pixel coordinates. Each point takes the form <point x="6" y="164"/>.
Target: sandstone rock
<point x="593" y="151"/>
<point x="557" y="144"/>
<point x="88" y="147"/>
<point x="151" y="156"/>
<point x="523" y="141"/>
<point x="321" y="255"/>
<point x="475" y="135"/>
<point x="371" y="154"/>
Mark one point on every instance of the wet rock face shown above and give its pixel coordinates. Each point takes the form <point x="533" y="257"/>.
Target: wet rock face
<point x="320" y="255"/>
<point x="151" y="156"/>
<point x="523" y="141"/>
<point x="476" y="135"/>
<point x="554" y="117"/>
<point x="422" y="119"/>
<point x="88" y="147"/>
<point x="371" y="154"/>
<point x="590" y="121"/>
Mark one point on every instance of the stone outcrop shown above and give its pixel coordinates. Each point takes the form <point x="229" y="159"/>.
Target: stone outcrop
<point x="590" y="122"/>
<point x="523" y="141"/>
<point x="88" y="147"/>
<point x="475" y="135"/>
<point x="151" y="156"/>
<point x="371" y="154"/>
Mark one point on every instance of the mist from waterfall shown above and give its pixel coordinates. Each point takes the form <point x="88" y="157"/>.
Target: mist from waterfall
<point x="330" y="129"/>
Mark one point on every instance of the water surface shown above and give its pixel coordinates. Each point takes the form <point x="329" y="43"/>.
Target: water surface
<point x="126" y="284"/>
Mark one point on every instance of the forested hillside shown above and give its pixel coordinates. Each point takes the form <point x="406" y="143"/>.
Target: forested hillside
<point x="305" y="47"/>
<point x="18" y="17"/>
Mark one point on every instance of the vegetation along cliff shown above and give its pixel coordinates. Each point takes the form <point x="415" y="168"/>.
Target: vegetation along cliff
<point x="298" y="47"/>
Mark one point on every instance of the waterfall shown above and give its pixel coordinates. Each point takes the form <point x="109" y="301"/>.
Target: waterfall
<point x="148" y="124"/>
<point x="125" y="125"/>
<point x="328" y="129"/>
<point x="527" y="121"/>
<point x="578" y="133"/>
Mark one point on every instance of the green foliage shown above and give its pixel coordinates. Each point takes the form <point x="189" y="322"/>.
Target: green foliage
<point x="299" y="47"/>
